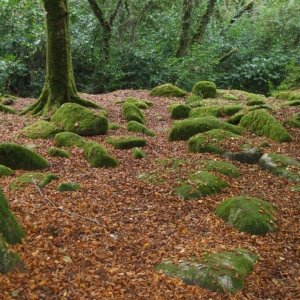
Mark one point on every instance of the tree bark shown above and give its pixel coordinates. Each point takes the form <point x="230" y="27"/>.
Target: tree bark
<point x="59" y="86"/>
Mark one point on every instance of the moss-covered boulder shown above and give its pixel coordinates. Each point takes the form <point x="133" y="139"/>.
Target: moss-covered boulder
<point x="69" y="139"/>
<point x="294" y="121"/>
<point x="205" y="89"/>
<point x="210" y="141"/>
<point x="138" y="153"/>
<point x="194" y="99"/>
<point x="98" y="156"/>
<point x="114" y="126"/>
<point x="167" y="90"/>
<point x="68" y="187"/>
<point x="248" y="214"/>
<point x="255" y="97"/>
<point x="18" y="157"/>
<point x="75" y="118"/>
<point x="39" y="179"/>
<point x="9" y="227"/>
<point x="221" y="272"/>
<point x="58" y="152"/>
<point x="132" y="113"/>
<point x="6" y="109"/>
<point x="222" y="167"/>
<point x="179" y="111"/>
<point x="229" y="110"/>
<point x="183" y="130"/>
<point x="236" y="118"/>
<point x="200" y="184"/>
<point x="126" y="142"/>
<point x="5" y="171"/>
<point x="255" y="102"/>
<point x="41" y="129"/>
<point x="215" y="110"/>
<point x="281" y="165"/>
<point x="7" y="100"/>
<point x="8" y="259"/>
<point x="138" y="127"/>
<point x="262" y="123"/>
<point x="141" y="104"/>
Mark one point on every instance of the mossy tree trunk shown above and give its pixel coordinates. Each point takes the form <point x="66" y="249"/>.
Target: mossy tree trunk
<point x="59" y="86"/>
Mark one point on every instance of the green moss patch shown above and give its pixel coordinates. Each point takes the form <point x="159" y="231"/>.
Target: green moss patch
<point x="6" y="109"/>
<point x="18" y="157"/>
<point x="294" y="121"/>
<point x="294" y="103"/>
<point x="114" y="126"/>
<point x="193" y="98"/>
<point x="220" y="272"/>
<point x="126" y="142"/>
<point x="9" y="227"/>
<point x="41" y="129"/>
<point x="215" y="110"/>
<point x="5" y="171"/>
<point x="210" y="141"/>
<point x="132" y="113"/>
<point x="138" y="127"/>
<point x="179" y="111"/>
<point x="98" y="156"/>
<point x="263" y="124"/>
<point x="10" y="100"/>
<point x="68" y="187"/>
<point x="183" y="130"/>
<point x="8" y="259"/>
<point x="138" y="153"/>
<point x="255" y="102"/>
<point x="295" y="188"/>
<point x="288" y="95"/>
<point x="222" y="167"/>
<point x="68" y="139"/>
<point x="57" y="152"/>
<point x="151" y="178"/>
<point x="230" y="97"/>
<point x="141" y="104"/>
<point x="205" y="89"/>
<point x="236" y="118"/>
<point x="167" y="90"/>
<point x="75" y="118"/>
<point x="200" y="184"/>
<point x="248" y="214"/>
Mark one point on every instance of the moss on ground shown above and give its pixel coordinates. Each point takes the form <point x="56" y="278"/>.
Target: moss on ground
<point x="132" y="113"/>
<point x="222" y="167"/>
<point x="141" y="104"/>
<point x="287" y="95"/>
<point x="41" y="129"/>
<point x="167" y="90"/>
<point x="6" y="109"/>
<point x="134" y="126"/>
<point x="18" y="157"/>
<point x="75" y="118"/>
<point x="210" y="141"/>
<point x="200" y="184"/>
<point x="126" y="142"/>
<point x="171" y="163"/>
<point x="294" y="103"/>
<point x="68" y="187"/>
<point x="193" y="99"/>
<point x="262" y="123"/>
<point x="179" y="111"/>
<point x="114" y="126"/>
<point x="5" y="171"/>
<point x="248" y="214"/>
<point x="295" y="188"/>
<point x="255" y="102"/>
<point x="57" y="152"/>
<point x="138" y="153"/>
<point x="98" y="156"/>
<point x="8" y="259"/>
<point x="222" y="272"/>
<point x="230" y="97"/>
<point x="9" y="100"/>
<point x="183" y="130"/>
<point x="151" y="178"/>
<point x="294" y="121"/>
<point x="215" y="110"/>
<point x="69" y="139"/>
<point x="236" y="118"/>
<point x="9" y="227"/>
<point x="205" y="89"/>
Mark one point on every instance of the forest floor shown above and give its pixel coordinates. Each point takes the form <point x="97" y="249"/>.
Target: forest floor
<point x="137" y="224"/>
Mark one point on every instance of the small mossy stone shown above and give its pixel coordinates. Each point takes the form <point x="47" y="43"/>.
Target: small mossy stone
<point x="68" y="139"/>
<point x="98" y="156"/>
<point x="41" y="129"/>
<point x="18" y="157"/>
<point x="114" y="126"/>
<point x="223" y="272"/>
<point x="205" y="89"/>
<point x="230" y="97"/>
<point x="8" y="259"/>
<point x="5" y="171"/>
<point x="183" y="130"/>
<point x="6" y="109"/>
<point x="134" y="126"/>
<point x="141" y="104"/>
<point x="126" y="142"/>
<point x="179" y="111"/>
<point x="7" y="101"/>
<point x="167" y="90"/>
<point x="57" y="152"/>
<point x="248" y="214"/>
<point x="132" y="113"/>
<point x="138" y="153"/>
<point x="262" y="123"/>
<point x="9" y="227"/>
<point x="193" y="99"/>
<point x="75" y="118"/>
<point x="255" y="102"/>
<point x="222" y="167"/>
<point x="200" y="184"/>
<point x="68" y="187"/>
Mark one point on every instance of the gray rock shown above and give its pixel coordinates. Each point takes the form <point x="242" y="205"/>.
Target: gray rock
<point x="250" y="156"/>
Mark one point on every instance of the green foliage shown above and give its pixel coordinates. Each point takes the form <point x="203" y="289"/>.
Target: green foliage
<point x="132" y="113"/>
<point x="68" y="139"/>
<point x="138" y="127"/>
<point x="126" y="142"/>
<point x="41" y="129"/>
<point x="68" y="187"/>
<point x="138" y="153"/>
<point x="57" y="152"/>
<point x="179" y="111"/>
<point x="205" y="89"/>
<point x="222" y="167"/>
<point x="167" y="90"/>
<point x="248" y="214"/>
<point x="5" y="171"/>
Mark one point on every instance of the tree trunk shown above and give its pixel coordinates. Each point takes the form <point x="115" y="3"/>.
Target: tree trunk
<point x="59" y="86"/>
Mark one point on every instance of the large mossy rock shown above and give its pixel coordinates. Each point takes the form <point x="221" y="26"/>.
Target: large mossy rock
<point x="262" y="123"/>
<point x="179" y="111"/>
<point x="58" y="152"/>
<point x="205" y="89"/>
<point x="183" y="130"/>
<point x="221" y="272"/>
<point x="167" y="90"/>
<point x="18" y="157"/>
<point x="98" y="157"/>
<point x="215" y="111"/>
<point x="132" y="113"/>
<point x="200" y="184"/>
<point x="248" y="214"/>
<point x="138" y="127"/>
<point x="210" y="141"/>
<point x="69" y="139"/>
<point x="9" y="227"/>
<point x="8" y="259"/>
<point x="126" y="142"/>
<point x="5" y="171"/>
<point x="75" y="118"/>
<point x="41" y="129"/>
<point x="281" y="165"/>
<point x="222" y="167"/>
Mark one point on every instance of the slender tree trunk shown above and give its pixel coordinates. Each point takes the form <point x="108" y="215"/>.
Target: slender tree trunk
<point x="59" y="86"/>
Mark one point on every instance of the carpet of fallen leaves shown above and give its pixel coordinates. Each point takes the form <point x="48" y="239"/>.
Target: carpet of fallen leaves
<point x="138" y="224"/>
